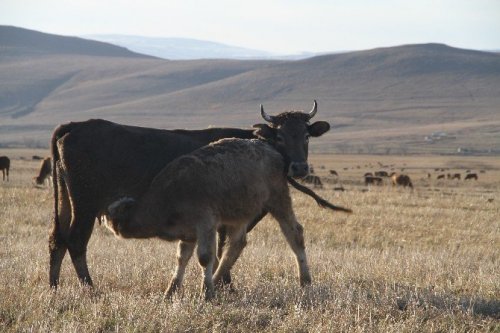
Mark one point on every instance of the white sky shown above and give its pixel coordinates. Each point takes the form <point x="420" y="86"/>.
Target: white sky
<point x="279" y="26"/>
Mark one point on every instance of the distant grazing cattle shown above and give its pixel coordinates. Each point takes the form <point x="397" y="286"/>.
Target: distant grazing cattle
<point x="456" y="176"/>
<point x="471" y="176"/>
<point x="97" y="161"/>
<point x="401" y="180"/>
<point x="36" y="158"/>
<point x="381" y="174"/>
<point x="228" y="182"/>
<point x="339" y="188"/>
<point x="5" y="166"/>
<point x="314" y="180"/>
<point x="369" y="180"/>
<point x="45" y="172"/>
<point x="482" y="171"/>
<point x="368" y="174"/>
<point x="334" y="173"/>
<point x="441" y="176"/>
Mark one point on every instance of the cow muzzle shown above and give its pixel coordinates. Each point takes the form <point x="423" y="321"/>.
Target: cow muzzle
<point x="298" y="169"/>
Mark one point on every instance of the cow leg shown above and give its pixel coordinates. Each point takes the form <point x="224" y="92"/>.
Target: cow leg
<point x="256" y="220"/>
<point x="293" y="232"/>
<point x="59" y="234"/>
<point x="221" y="241"/>
<point x="222" y="235"/>
<point x="184" y="252"/>
<point x="236" y="244"/>
<point x="206" y="236"/>
<point x="82" y="225"/>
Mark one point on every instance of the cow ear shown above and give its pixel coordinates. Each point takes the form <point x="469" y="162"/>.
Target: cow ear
<point x="265" y="132"/>
<point x="318" y="128"/>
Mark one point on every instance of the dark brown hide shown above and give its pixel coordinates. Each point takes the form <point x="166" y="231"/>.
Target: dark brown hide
<point x="370" y="180"/>
<point x="97" y="161"/>
<point x="227" y="183"/>
<point x="471" y="176"/>
<point x="401" y="180"/>
<point x="5" y="166"/>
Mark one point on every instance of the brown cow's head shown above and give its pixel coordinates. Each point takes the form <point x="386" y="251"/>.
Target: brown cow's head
<point x="289" y="133"/>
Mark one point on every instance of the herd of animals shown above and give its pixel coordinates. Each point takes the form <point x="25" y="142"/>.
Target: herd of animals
<point x="379" y="177"/>
<point x="205" y="189"/>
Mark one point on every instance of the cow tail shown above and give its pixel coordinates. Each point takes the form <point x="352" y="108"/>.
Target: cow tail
<point x="59" y="132"/>
<point x="55" y="160"/>
<point x="319" y="200"/>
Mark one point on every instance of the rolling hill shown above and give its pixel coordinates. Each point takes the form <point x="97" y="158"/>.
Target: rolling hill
<point x="385" y="100"/>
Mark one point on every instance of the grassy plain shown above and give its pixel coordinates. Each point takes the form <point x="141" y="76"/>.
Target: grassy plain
<point x="425" y="260"/>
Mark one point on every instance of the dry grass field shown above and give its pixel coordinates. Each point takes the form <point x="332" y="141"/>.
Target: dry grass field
<point x="425" y="260"/>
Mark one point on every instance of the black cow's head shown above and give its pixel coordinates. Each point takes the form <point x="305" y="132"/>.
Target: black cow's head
<point x="289" y="133"/>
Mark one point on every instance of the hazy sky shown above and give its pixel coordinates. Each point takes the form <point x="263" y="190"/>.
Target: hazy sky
<point x="280" y="26"/>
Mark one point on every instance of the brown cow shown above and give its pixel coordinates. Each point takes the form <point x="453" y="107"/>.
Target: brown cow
<point x="471" y="176"/>
<point x="456" y="176"/>
<point x="370" y="180"/>
<point x="228" y="183"/>
<point x="401" y="180"/>
<point x="441" y="176"/>
<point x="334" y="173"/>
<point x="5" y="166"/>
<point x="314" y="180"/>
<point x="97" y="161"/>
<point x="381" y="174"/>
<point x="45" y="172"/>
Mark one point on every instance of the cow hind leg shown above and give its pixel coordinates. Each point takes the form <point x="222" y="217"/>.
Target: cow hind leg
<point x="236" y="244"/>
<point x="57" y="249"/>
<point x="81" y="228"/>
<point x="206" y="235"/>
<point x="59" y="235"/>
<point x="184" y="252"/>
<point x="294" y="234"/>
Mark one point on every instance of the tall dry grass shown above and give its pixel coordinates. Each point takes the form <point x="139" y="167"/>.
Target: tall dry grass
<point x="421" y="261"/>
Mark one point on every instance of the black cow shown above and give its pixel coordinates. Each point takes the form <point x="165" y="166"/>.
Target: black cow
<point x="96" y="162"/>
<point x="5" y="166"/>
<point x="471" y="176"/>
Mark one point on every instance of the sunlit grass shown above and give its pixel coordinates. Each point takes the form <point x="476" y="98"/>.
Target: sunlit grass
<point x="403" y="262"/>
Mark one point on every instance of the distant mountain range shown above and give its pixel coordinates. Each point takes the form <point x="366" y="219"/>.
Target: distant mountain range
<point x="190" y="49"/>
<point x="380" y="100"/>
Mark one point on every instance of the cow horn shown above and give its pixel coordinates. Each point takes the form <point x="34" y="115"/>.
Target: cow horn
<point x="314" y="110"/>
<point x="266" y="117"/>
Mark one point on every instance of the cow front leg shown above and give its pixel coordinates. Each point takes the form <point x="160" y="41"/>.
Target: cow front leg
<point x="294" y="234"/>
<point x="184" y="252"/>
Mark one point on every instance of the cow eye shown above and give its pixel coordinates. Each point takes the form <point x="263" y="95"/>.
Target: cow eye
<point x="279" y="139"/>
